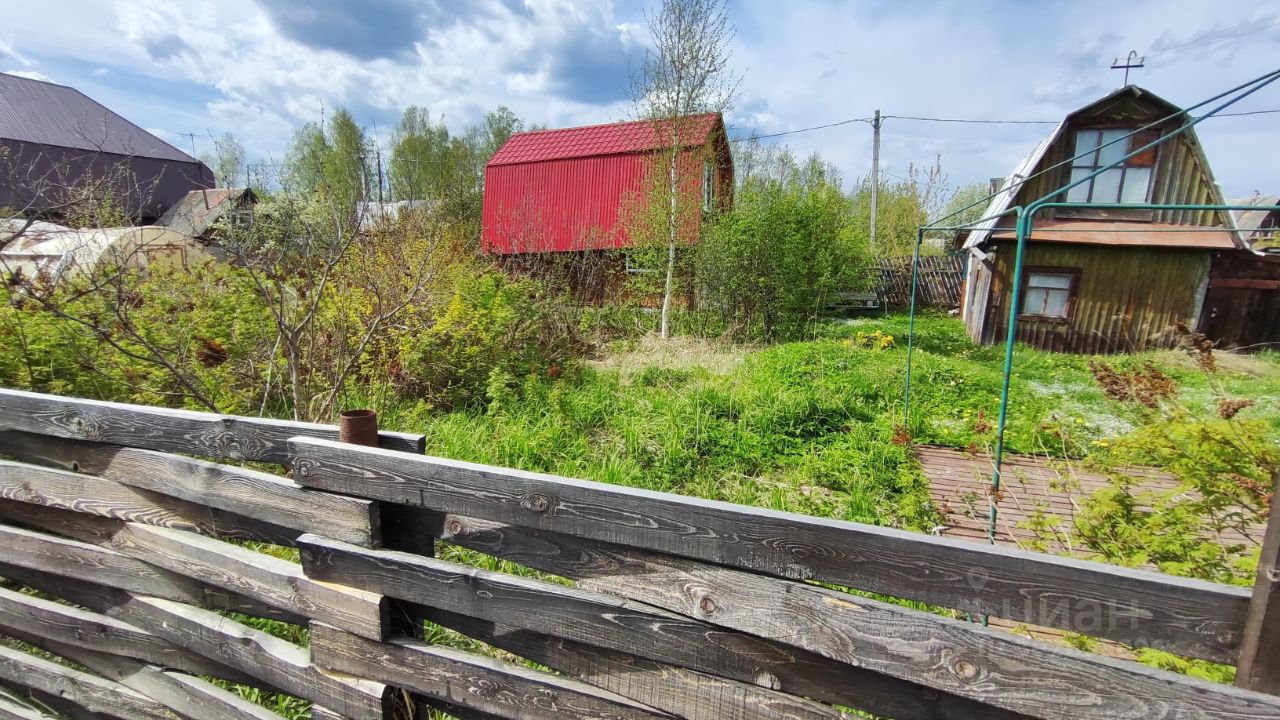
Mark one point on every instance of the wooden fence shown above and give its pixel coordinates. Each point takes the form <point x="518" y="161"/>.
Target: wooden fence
<point x="939" y="281"/>
<point x="644" y="604"/>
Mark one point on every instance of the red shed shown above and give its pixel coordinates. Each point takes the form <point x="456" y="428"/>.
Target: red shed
<point x="566" y="190"/>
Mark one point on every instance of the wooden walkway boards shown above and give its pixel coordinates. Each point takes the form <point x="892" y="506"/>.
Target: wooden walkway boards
<point x="960" y="485"/>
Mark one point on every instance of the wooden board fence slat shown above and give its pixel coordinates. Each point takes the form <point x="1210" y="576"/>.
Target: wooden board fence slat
<point x="473" y="681"/>
<point x="185" y="695"/>
<point x="951" y="656"/>
<point x="1190" y="616"/>
<point x="59" y="706"/>
<point x="14" y="709"/>
<point x="940" y="281"/>
<point x="97" y="496"/>
<point x="277" y="662"/>
<point x="249" y="574"/>
<point x="629" y="627"/>
<point x="1259" y="667"/>
<point x="682" y="692"/>
<point x="245" y="493"/>
<point x="93" y="693"/>
<point x="75" y="560"/>
<point x="223" y="437"/>
<point x="31" y="616"/>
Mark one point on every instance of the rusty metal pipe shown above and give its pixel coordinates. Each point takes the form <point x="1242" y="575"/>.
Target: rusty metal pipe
<point x="358" y="427"/>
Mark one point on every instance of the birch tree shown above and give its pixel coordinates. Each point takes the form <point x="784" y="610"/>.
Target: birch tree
<point x="685" y="72"/>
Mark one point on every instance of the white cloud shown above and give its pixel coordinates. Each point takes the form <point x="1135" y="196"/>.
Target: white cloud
<point x="29" y="74"/>
<point x="7" y="50"/>
<point x="209" y="68"/>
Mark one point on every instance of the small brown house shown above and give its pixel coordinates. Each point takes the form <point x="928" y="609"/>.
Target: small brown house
<point x="1101" y="280"/>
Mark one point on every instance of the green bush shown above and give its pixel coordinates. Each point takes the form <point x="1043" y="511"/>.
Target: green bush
<point x="166" y="338"/>
<point x="490" y="328"/>
<point x="771" y="264"/>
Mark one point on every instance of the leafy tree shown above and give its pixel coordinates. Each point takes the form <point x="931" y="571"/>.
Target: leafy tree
<point x="967" y="204"/>
<point x="685" y="72"/>
<point x="419" y="150"/>
<point x="772" y="263"/>
<point x="305" y="160"/>
<point x="228" y="161"/>
<point x="331" y="160"/>
<point x="346" y="169"/>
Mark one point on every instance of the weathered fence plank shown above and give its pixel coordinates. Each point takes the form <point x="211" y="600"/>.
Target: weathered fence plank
<point x="97" y="496"/>
<point x="224" y="437"/>
<point x="277" y="662"/>
<point x="473" y="681"/>
<point x="267" y="579"/>
<point x="952" y="656"/>
<point x="1190" y="616"/>
<point x="1259" y="666"/>
<point x="183" y="694"/>
<point x="14" y="709"/>
<point x="244" y="493"/>
<point x="256" y="576"/>
<point x="88" y="691"/>
<point x="939" y="282"/>
<point x="74" y="560"/>
<point x="22" y="614"/>
<point x="633" y="628"/>
<point x="682" y="692"/>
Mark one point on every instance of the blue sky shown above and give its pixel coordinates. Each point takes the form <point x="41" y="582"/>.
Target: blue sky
<point x="258" y="68"/>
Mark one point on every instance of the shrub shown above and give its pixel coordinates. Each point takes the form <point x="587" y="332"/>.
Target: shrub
<point x="490" y="326"/>
<point x="772" y="263"/>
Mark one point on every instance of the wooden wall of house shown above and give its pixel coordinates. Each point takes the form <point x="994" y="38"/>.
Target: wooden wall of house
<point x="1242" y="303"/>
<point x="1182" y="175"/>
<point x="1126" y="298"/>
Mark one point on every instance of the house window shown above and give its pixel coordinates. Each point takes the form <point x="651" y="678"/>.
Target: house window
<point x="708" y="184"/>
<point x="1267" y="228"/>
<point x="1129" y="182"/>
<point x="1049" y="293"/>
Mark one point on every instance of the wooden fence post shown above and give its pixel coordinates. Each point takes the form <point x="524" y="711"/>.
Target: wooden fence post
<point x="1259" y="665"/>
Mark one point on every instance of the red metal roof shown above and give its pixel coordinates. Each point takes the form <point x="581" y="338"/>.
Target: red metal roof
<point x="610" y="139"/>
<point x="573" y="190"/>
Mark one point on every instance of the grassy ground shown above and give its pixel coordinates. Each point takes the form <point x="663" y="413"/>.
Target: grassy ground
<point x="808" y="427"/>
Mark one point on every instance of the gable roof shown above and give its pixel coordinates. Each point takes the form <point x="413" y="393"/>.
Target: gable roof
<point x="1248" y="221"/>
<point x="610" y="139"/>
<point x="1004" y="199"/>
<point x="44" y="113"/>
<point x="198" y="210"/>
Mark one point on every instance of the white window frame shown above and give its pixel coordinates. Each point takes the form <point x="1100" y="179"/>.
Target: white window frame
<point x="1088" y="192"/>
<point x="1029" y="284"/>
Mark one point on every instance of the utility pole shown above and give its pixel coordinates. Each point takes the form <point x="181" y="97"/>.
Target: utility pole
<point x="875" y="175"/>
<point x="378" y="158"/>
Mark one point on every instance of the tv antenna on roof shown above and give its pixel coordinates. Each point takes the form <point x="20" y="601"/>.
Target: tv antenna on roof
<point x="1128" y="64"/>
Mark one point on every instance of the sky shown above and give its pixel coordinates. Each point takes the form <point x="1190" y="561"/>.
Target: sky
<point x="191" y="71"/>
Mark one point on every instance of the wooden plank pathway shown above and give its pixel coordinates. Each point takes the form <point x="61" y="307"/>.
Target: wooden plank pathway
<point x="960" y="485"/>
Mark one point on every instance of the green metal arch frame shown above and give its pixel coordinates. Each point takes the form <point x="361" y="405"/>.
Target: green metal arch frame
<point x="1024" y="219"/>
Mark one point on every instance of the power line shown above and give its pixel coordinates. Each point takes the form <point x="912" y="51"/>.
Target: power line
<point x="972" y="120"/>
<point x="793" y="132"/>
<point x="1249" y="112"/>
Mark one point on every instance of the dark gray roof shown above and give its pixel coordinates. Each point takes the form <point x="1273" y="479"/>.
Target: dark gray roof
<point x="44" y="113"/>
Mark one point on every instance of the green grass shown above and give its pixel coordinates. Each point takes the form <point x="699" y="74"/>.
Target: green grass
<point x="809" y="426"/>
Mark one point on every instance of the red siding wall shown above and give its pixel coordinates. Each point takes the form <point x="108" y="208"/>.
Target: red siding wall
<point x="571" y="204"/>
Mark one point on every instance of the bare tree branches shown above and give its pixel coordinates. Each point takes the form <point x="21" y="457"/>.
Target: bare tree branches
<point x="686" y="72"/>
